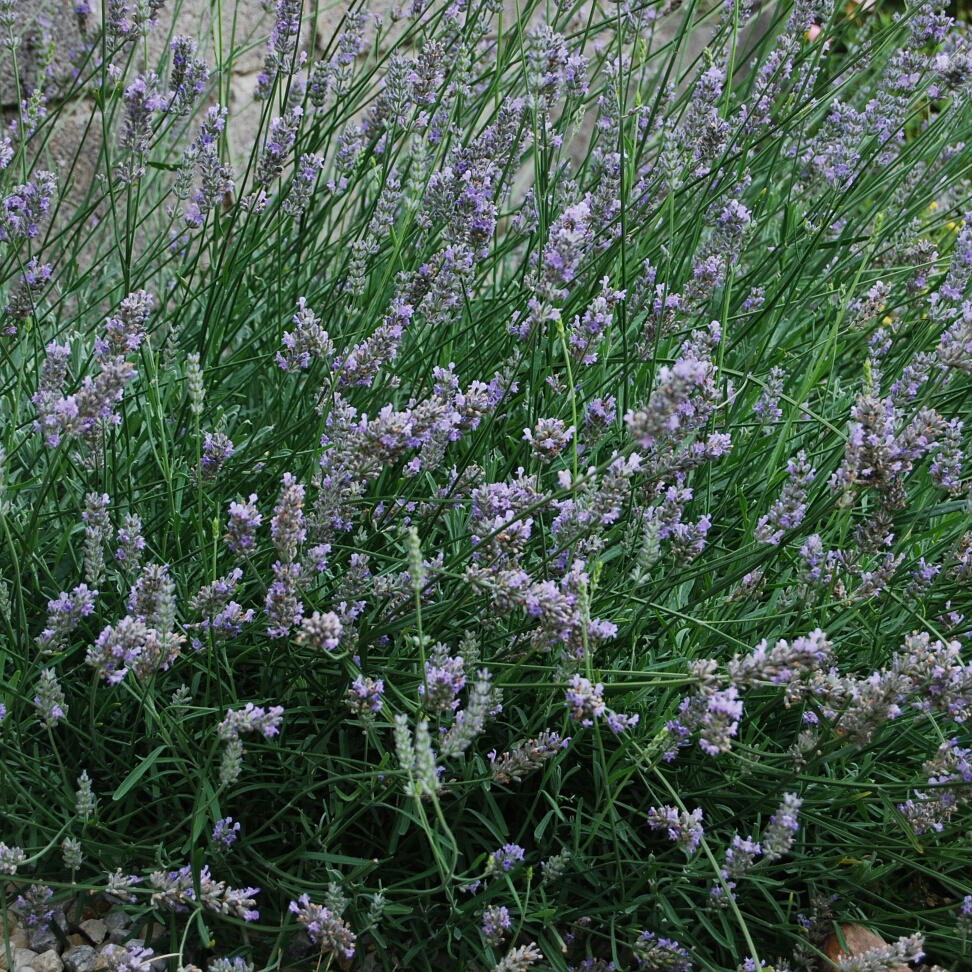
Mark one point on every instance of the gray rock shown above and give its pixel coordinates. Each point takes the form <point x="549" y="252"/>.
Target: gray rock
<point x="300" y="948"/>
<point x="48" y="961"/>
<point x="81" y="958"/>
<point x="18" y="939"/>
<point x="117" y="923"/>
<point x="44" y="939"/>
<point x="22" y="957"/>
<point x="95" y="929"/>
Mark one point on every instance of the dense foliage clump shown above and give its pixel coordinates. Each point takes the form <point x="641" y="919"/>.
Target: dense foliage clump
<point x="517" y="517"/>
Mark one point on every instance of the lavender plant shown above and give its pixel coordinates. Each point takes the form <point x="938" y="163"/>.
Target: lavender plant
<point x="517" y="516"/>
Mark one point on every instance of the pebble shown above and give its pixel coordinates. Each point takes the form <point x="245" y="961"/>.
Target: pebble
<point x="80" y="958"/>
<point x="48" y="961"/>
<point x="117" y="923"/>
<point x="18" y="939"/>
<point x="43" y="940"/>
<point x="22" y="957"/>
<point x="95" y="929"/>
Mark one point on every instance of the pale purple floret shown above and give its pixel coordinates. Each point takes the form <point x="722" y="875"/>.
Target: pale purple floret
<point x="287" y="526"/>
<point x="131" y="543"/>
<point x="668" y="408"/>
<point x="49" y="700"/>
<point x="217" y="448"/>
<point x="782" y="663"/>
<point x="683" y="828"/>
<point x="22" y="211"/>
<point x="176" y="891"/>
<point x="325" y="928"/>
<point x="364" y="696"/>
<point x="283" y="607"/>
<point x="64" y="614"/>
<point x="716" y="713"/>
<point x="445" y="678"/>
<point x="33" y="907"/>
<point x="660" y="954"/>
<point x="740" y="857"/>
<point x="781" y="831"/>
<point x="251" y="718"/>
<point x="599" y="414"/>
<point x="946" y="466"/>
<point x="585" y="700"/>
<point x="508" y="856"/>
<point x="322" y="631"/>
<point x="885" y="958"/>
<point x="360" y="365"/>
<point x="964" y="920"/>
<point x="279" y="144"/>
<point x="244" y="519"/>
<point x="789" y="510"/>
<point x="767" y="407"/>
<point x="127" y="958"/>
<point x="618" y="722"/>
<point x="308" y="340"/>
<point x="586" y="703"/>
<point x="549" y="438"/>
<point x="496" y="921"/>
<point x="225" y="832"/>
<point x="10" y="859"/>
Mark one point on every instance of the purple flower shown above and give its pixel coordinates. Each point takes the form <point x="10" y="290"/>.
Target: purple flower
<point x="64" y="614"/>
<point x="740" y="857"/>
<point x="283" y="607"/>
<point x="585" y="700"/>
<point x="321" y="631"/>
<point x="445" y="677"/>
<point x="684" y="828"/>
<point x="599" y="414"/>
<point x="287" y="526"/>
<point x="326" y="929"/>
<point x="618" y="722"/>
<point x="130" y="958"/>
<point x="49" y="699"/>
<point x="496" y="921"/>
<point x="280" y="141"/>
<point x="308" y="340"/>
<point x="361" y="364"/>
<point x="217" y="448"/>
<point x="767" y="407"/>
<point x="364" y="696"/>
<point x="244" y="518"/>
<point x="549" y="438"/>
<point x="35" y="913"/>
<point x="788" y="511"/>
<point x="131" y="543"/>
<point x="783" y="663"/>
<point x="22" y="211"/>
<point x="225" y="832"/>
<point x="781" y="830"/>
<point x="508" y="856"/>
<point x="660" y="954"/>
<point x="10" y="859"/>
<point x="251" y="718"/>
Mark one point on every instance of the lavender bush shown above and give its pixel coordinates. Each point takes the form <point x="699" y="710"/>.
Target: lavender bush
<point x="517" y="517"/>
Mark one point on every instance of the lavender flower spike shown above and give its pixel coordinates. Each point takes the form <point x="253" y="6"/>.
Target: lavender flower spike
<point x="885" y="958"/>
<point x="326" y="929"/>
<point x="244" y="518"/>
<point x="251" y="718"/>
<point x="684" y="828"/>
<point x="780" y="833"/>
